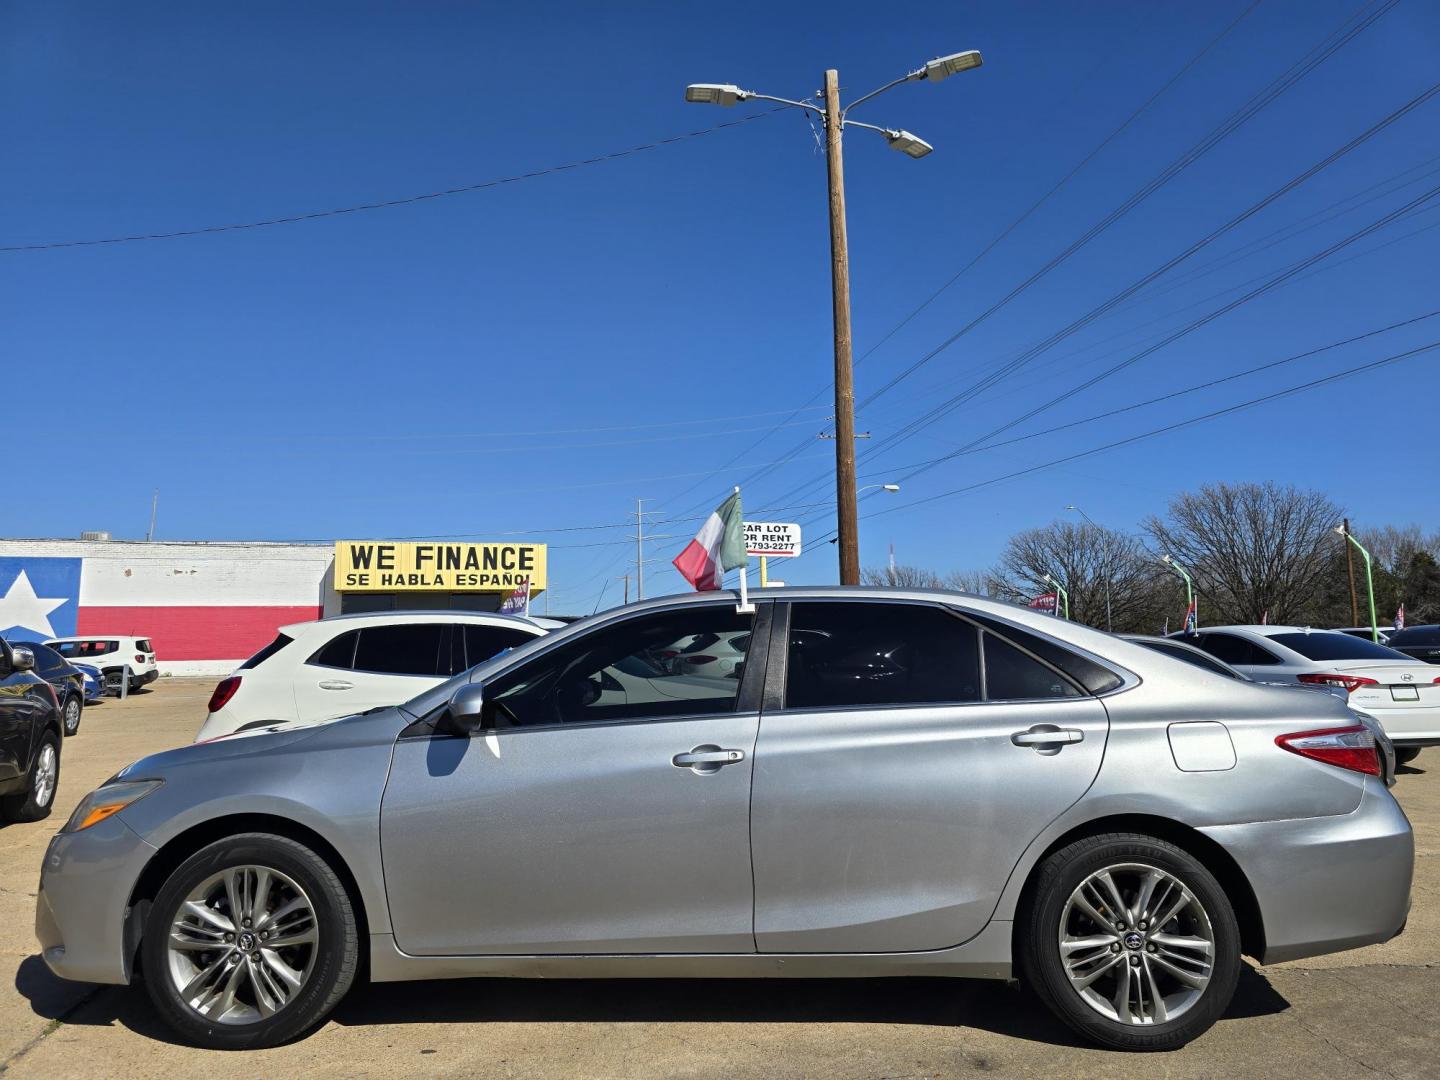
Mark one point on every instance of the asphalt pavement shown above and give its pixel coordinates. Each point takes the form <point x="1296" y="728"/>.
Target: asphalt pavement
<point x="1355" y="1013"/>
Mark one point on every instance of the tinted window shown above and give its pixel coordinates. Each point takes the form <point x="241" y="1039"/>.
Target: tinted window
<point x="616" y="673"/>
<point x="144" y="645"/>
<point x="268" y="651"/>
<point x="1011" y="675"/>
<point x="48" y="662"/>
<point x="879" y="654"/>
<point x="1416" y="635"/>
<point x="400" y="649"/>
<point x="340" y="653"/>
<point x="1190" y="656"/>
<point x="1327" y="646"/>
<point x="1234" y="650"/>
<point x="483" y="642"/>
<point x="1090" y="675"/>
<point x="78" y="650"/>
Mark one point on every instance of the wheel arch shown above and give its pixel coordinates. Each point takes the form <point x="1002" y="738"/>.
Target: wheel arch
<point x="184" y="844"/>
<point x="1210" y="854"/>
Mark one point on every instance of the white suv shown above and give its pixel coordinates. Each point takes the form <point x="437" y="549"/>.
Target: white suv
<point x="349" y="663"/>
<point x="116" y="655"/>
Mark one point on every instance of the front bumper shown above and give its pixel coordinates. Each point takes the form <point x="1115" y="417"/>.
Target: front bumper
<point x="86" y="882"/>
<point x="1330" y="883"/>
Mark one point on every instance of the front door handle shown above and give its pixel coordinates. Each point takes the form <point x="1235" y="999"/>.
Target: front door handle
<point x="1047" y="738"/>
<point x="336" y="684"/>
<point x="707" y="758"/>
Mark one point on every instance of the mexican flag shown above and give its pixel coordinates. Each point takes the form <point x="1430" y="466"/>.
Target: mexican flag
<point x="717" y="547"/>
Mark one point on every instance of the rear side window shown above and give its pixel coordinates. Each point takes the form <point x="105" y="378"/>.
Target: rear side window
<point x="483" y="642"/>
<point x="1092" y="676"/>
<point x="879" y="654"/>
<point x="1012" y="675"/>
<point x="340" y="653"/>
<point x="268" y="651"/>
<point x="143" y="644"/>
<point x="401" y="649"/>
<point x="79" y="650"/>
<point x="1327" y="646"/>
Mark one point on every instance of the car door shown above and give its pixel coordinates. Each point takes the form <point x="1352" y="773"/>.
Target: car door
<point x="17" y="712"/>
<point x="910" y="759"/>
<point x="602" y="809"/>
<point x="371" y="666"/>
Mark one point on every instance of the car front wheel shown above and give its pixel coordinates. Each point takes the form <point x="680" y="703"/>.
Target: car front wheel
<point x="1131" y="941"/>
<point x="71" y="715"/>
<point x="33" y="804"/>
<point x="250" y="943"/>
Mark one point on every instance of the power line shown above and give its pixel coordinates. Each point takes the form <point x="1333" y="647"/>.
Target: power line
<point x="387" y="204"/>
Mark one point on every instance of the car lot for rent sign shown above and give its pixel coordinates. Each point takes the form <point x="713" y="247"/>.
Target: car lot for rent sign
<point x="370" y="566"/>
<point x="773" y="539"/>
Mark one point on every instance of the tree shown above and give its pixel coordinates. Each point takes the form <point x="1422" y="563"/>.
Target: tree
<point x="902" y="577"/>
<point x="1088" y="560"/>
<point x="1253" y="549"/>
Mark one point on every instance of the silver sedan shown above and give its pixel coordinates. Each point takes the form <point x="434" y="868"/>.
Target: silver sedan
<point x="898" y="783"/>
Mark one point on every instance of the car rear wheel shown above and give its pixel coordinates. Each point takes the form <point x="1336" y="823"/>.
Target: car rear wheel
<point x="250" y="943"/>
<point x="70" y="715"/>
<point x="33" y="804"/>
<point x="1131" y="941"/>
<point x="1406" y="754"/>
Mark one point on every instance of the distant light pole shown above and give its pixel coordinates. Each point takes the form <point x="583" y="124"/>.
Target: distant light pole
<point x="1189" y="587"/>
<point x="1064" y="594"/>
<point x="1342" y="530"/>
<point x="833" y="116"/>
<point x="1104" y="536"/>
<point x="882" y="487"/>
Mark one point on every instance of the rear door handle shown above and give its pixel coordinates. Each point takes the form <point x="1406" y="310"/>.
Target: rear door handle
<point x="707" y="758"/>
<point x="336" y="684"/>
<point x="1047" y="737"/>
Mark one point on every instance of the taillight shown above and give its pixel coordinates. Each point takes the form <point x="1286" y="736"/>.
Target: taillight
<point x="1344" y="747"/>
<point x="139" y="658"/>
<point x="700" y="659"/>
<point x="224" y="691"/>
<point x="1351" y="683"/>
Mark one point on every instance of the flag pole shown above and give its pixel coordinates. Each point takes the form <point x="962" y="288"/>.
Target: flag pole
<point x="744" y="607"/>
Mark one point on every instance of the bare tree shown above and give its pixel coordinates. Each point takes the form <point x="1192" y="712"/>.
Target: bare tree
<point x="901" y="577"/>
<point x="1091" y="562"/>
<point x="1253" y="549"/>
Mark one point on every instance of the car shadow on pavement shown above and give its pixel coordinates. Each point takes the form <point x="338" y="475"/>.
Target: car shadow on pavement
<point x="1002" y="1008"/>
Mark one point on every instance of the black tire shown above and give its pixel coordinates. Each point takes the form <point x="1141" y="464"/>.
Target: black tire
<point x="1406" y="754"/>
<point x="70" y="714"/>
<point x="330" y="972"/>
<point x="30" y="804"/>
<point x="1059" y="876"/>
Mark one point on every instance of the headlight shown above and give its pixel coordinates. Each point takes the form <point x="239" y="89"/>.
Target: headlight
<point x="108" y="799"/>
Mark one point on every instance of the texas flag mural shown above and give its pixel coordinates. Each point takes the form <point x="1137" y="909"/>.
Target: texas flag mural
<point x="200" y="611"/>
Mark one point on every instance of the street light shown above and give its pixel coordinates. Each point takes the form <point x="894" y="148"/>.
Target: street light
<point x="1341" y="530"/>
<point x="882" y="487"/>
<point x="1189" y="588"/>
<point x="833" y="116"/>
<point x="1064" y="594"/>
<point x="1109" y="625"/>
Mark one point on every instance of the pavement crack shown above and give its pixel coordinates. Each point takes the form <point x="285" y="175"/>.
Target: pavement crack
<point x="53" y="1026"/>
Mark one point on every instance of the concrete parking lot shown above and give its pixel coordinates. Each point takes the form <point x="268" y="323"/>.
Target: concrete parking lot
<point x="1367" y="1011"/>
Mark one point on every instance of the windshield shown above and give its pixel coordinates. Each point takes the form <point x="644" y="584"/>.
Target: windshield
<point x="1327" y="645"/>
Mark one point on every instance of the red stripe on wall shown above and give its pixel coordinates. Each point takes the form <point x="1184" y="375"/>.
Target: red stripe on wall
<point x="195" y="633"/>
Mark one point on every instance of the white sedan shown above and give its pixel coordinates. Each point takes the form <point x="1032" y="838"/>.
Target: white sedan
<point x="1401" y="693"/>
<point x="349" y="663"/>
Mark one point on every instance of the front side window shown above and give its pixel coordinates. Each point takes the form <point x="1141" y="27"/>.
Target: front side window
<point x="1235" y="650"/>
<point x="617" y="673"/>
<point x="339" y="653"/>
<point x="879" y="654"/>
<point x="483" y="642"/>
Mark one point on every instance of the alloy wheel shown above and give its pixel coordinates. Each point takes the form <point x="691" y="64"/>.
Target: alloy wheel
<point x="243" y="944"/>
<point x="1137" y="944"/>
<point x="72" y="716"/>
<point x="47" y="765"/>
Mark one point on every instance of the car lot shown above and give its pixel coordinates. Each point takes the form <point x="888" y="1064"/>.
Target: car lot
<point x="1367" y="1010"/>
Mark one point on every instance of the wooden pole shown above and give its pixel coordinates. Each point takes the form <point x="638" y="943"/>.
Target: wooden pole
<point x="846" y="515"/>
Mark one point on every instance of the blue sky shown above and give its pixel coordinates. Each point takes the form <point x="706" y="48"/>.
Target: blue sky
<point x="541" y="354"/>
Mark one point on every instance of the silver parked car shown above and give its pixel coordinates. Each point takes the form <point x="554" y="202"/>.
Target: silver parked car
<point x="901" y="782"/>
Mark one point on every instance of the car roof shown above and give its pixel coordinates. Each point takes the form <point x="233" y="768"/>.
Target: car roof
<point x="376" y="618"/>
<point x="98" y="637"/>
<point x="1269" y="629"/>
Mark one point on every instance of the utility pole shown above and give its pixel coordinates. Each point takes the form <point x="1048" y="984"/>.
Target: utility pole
<point x="154" y="506"/>
<point x="847" y="516"/>
<point x="639" y="550"/>
<point x="1350" y="569"/>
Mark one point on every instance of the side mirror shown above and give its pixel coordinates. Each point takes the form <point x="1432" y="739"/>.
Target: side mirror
<point x="465" y="713"/>
<point x="21" y="658"/>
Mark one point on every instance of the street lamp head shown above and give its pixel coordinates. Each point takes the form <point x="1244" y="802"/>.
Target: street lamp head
<point x="942" y="67"/>
<point x="1165" y="559"/>
<point x="890" y="487"/>
<point x="1340" y="530"/>
<point x="906" y="143"/>
<point x="714" y="93"/>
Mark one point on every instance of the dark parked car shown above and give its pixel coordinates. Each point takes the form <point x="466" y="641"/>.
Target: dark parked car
<point x="1420" y="642"/>
<point x="29" y="737"/>
<point x="95" y="688"/>
<point x="65" y="677"/>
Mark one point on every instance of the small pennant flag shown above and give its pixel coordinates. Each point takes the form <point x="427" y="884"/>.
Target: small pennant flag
<point x="1191" y="622"/>
<point x="518" y="600"/>
<point x="717" y="547"/>
<point x="1400" y="617"/>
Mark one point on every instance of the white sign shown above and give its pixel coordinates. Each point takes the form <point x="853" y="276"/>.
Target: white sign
<point x="773" y="539"/>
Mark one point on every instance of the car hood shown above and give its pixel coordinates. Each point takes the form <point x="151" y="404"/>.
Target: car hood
<point x="256" y="744"/>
